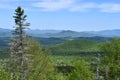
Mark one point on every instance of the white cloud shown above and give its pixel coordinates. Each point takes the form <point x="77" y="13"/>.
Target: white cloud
<point x="83" y="7"/>
<point x="103" y="7"/>
<point x="53" y="5"/>
<point x="72" y="5"/>
<point x="109" y="7"/>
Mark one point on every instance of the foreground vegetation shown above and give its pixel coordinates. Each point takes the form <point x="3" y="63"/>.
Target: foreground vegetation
<point x="58" y="65"/>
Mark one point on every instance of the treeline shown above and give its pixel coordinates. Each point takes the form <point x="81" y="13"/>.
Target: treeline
<point x="52" y="41"/>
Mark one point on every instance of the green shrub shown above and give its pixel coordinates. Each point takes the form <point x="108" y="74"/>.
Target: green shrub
<point x="82" y="72"/>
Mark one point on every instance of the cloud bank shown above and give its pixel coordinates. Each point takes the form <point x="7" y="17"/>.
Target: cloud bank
<point x="69" y="5"/>
<point x="53" y="5"/>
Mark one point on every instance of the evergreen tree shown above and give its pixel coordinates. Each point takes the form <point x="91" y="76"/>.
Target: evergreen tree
<point x="27" y="60"/>
<point x="18" y="61"/>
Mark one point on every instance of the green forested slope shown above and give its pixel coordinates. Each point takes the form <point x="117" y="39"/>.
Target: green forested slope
<point x="76" y="47"/>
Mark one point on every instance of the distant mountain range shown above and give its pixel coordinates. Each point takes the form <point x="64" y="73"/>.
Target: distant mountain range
<point x="107" y="33"/>
<point x="64" y="33"/>
<point x="5" y="32"/>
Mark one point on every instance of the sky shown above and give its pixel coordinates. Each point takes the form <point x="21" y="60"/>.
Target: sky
<point x="77" y="15"/>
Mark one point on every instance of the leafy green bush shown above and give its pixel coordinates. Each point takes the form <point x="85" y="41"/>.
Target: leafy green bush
<point x="111" y="61"/>
<point x="82" y="71"/>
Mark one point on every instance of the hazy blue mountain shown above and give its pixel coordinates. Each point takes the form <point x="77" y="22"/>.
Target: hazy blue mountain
<point x="5" y="32"/>
<point x="69" y="33"/>
<point x="35" y="33"/>
<point x="63" y="33"/>
<point x="42" y="31"/>
<point x="107" y="33"/>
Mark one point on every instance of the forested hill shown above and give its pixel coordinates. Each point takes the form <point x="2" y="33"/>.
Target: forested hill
<point x="4" y="41"/>
<point x="76" y="47"/>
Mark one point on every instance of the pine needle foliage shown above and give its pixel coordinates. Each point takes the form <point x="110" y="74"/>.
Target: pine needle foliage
<point x="19" y="60"/>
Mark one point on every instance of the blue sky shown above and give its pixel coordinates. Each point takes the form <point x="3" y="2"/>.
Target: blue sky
<point x="78" y="15"/>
